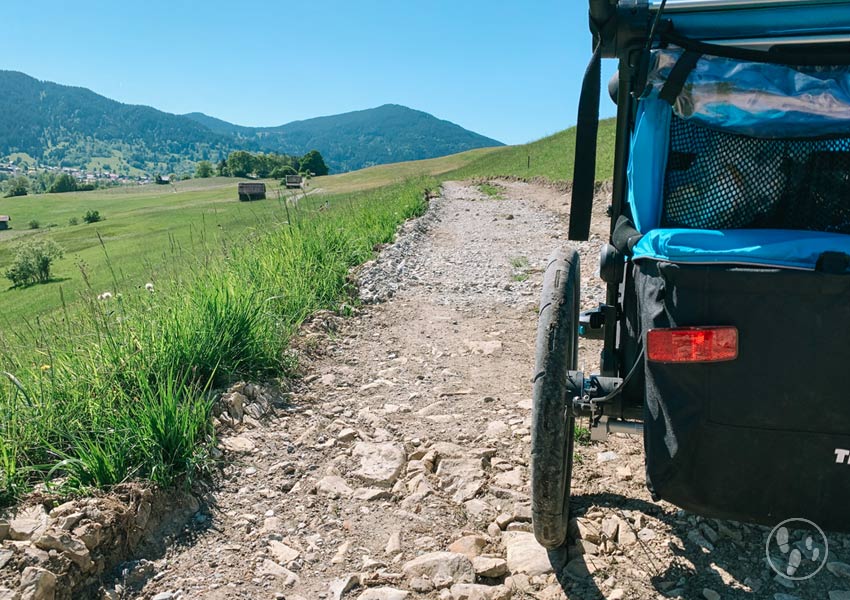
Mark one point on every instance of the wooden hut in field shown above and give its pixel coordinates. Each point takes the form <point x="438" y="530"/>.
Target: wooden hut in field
<point x="4" y="222"/>
<point x="249" y="190"/>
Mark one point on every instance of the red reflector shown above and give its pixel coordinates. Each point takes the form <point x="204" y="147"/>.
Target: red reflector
<point x="692" y="344"/>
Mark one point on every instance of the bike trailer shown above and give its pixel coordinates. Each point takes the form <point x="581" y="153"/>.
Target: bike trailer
<point x="727" y="317"/>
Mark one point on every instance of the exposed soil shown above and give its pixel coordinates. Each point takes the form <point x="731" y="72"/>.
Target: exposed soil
<point x="410" y="436"/>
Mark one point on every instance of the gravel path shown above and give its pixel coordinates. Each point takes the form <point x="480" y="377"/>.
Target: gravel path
<point x="400" y="469"/>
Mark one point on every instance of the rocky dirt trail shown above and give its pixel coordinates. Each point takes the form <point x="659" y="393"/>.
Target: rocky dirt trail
<point x="398" y="467"/>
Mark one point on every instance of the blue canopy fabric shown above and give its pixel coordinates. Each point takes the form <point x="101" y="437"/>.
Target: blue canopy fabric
<point x="791" y="249"/>
<point x="758" y="99"/>
<point x="647" y="162"/>
<point x="763" y="21"/>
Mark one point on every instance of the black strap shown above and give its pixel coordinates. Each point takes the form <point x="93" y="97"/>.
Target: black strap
<point x="678" y="76"/>
<point x="776" y="56"/>
<point x="584" y="169"/>
<point x="625" y="236"/>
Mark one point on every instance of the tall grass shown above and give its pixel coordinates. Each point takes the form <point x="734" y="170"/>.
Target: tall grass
<point x="121" y="387"/>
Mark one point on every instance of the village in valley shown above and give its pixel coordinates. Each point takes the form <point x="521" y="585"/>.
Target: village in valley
<point x="15" y="168"/>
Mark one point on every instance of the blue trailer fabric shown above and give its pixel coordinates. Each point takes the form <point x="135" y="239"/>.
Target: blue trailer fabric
<point x="757" y="100"/>
<point x="792" y="249"/>
<point x="647" y="161"/>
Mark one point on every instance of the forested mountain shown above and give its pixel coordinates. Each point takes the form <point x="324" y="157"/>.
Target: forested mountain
<point x="389" y="133"/>
<point x="68" y="126"/>
<point x="74" y="127"/>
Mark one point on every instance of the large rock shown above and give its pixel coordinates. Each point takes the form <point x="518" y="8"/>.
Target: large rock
<point x="710" y="594"/>
<point x="471" y="591"/>
<point x="234" y="403"/>
<point x="469" y="545"/>
<point x="467" y="490"/>
<point x="448" y="449"/>
<point x="238" y="444"/>
<point x="380" y="463"/>
<point x="338" y="587"/>
<point x="37" y="584"/>
<point x="496" y="429"/>
<point x="525" y="555"/>
<point x="625" y="534"/>
<point x="486" y="566"/>
<point x="384" y="593"/>
<point x="334" y="486"/>
<point x="393" y="544"/>
<point x="509" y="479"/>
<point x="477" y="509"/>
<point x="451" y="470"/>
<point x="442" y="568"/>
<point x="580" y="568"/>
<point x="463" y="477"/>
<point x="70" y="546"/>
<point x="287" y="577"/>
<point x="585" y="529"/>
<point x="372" y="494"/>
<point x="28" y="523"/>
<point x="283" y="553"/>
<point x="555" y="592"/>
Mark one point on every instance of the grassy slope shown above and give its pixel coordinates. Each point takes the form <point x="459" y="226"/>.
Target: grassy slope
<point x="551" y="157"/>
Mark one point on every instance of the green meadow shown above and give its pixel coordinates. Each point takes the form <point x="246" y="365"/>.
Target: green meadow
<point x="151" y="230"/>
<point x="146" y="231"/>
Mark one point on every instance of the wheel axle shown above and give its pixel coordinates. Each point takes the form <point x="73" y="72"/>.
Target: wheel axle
<point x="600" y="400"/>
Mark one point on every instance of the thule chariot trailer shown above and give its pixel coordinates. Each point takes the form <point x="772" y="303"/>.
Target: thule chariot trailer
<point x="726" y="324"/>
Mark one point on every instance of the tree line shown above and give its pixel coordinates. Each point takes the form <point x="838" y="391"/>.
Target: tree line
<point x="44" y="183"/>
<point x="275" y="166"/>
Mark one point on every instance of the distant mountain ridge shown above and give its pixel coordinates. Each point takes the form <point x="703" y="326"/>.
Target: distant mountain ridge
<point x="353" y="140"/>
<point x="71" y="126"/>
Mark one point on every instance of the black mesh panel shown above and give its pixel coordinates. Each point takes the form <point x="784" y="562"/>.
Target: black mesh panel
<point x="718" y="180"/>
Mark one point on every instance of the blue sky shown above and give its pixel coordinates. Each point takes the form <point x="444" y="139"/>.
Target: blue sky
<point x="507" y="69"/>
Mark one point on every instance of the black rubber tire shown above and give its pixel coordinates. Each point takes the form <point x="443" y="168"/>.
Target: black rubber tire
<point x="553" y="431"/>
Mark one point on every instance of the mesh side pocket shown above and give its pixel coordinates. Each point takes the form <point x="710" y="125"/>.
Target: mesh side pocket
<point x="718" y="180"/>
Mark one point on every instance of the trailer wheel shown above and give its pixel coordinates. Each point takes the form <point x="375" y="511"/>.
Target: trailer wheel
<point x="553" y="429"/>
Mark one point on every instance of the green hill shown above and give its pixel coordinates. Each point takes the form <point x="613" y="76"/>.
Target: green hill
<point x="74" y="127"/>
<point x="68" y="126"/>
